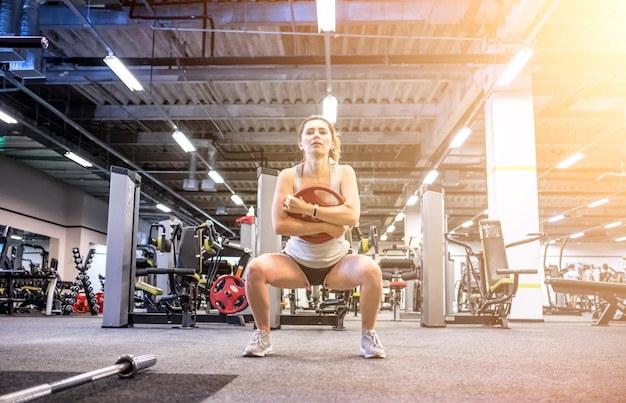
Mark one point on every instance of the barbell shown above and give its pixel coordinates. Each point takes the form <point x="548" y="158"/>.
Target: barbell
<point x="126" y="366"/>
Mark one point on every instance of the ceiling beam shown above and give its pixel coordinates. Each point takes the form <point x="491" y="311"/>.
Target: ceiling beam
<point x="302" y="61"/>
<point x="64" y="74"/>
<point x="276" y="111"/>
<point x="348" y="137"/>
<point x="259" y="13"/>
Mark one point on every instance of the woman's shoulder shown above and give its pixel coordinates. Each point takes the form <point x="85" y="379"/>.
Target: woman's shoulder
<point x="288" y="173"/>
<point x="343" y="168"/>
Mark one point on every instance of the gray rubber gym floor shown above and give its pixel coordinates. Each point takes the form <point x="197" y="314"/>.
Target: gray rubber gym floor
<point x="562" y="359"/>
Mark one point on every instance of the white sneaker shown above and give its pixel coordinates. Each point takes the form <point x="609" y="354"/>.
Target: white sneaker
<point x="371" y="347"/>
<point x="259" y="345"/>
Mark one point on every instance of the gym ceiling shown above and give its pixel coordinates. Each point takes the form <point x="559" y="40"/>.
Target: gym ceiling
<point x="238" y="76"/>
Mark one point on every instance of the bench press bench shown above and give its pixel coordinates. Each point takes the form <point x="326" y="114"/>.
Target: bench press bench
<point x="612" y="293"/>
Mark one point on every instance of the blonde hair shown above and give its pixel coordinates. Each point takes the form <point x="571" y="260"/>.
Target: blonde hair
<point x="335" y="149"/>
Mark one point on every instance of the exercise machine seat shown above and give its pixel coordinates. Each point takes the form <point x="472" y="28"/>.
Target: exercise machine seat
<point x="189" y="259"/>
<point x="494" y="255"/>
<point x="397" y="284"/>
<point x="398" y="267"/>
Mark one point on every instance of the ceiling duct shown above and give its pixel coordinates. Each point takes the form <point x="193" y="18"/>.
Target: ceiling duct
<point x="32" y="65"/>
<point x="9" y="18"/>
<point x="191" y="184"/>
<point x="208" y="184"/>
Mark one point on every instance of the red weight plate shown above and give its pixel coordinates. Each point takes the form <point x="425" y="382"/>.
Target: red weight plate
<point x="228" y="294"/>
<point x="310" y="195"/>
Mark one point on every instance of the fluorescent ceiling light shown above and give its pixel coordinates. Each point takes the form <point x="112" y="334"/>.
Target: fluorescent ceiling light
<point x="163" y="208"/>
<point x="571" y="160"/>
<point x="430" y="177"/>
<point x="325" y="15"/>
<point x="613" y="225"/>
<point x="391" y="228"/>
<point x="329" y="109"/>
<point x="399" y="217"/>
<point x="183" y="141"/>
<point x="78" y="160"/>
<point x="412" y="200"/>
<point x="383" y="237"/>
<point x="514" y="67"/>
<point x="237" y="200"/>
<point x="123" y="73"/>
<point x="7" y="118"/>
<point x="217" y="178"/>
<point x="16" y="237"/>
<point x="598" y="203"/>
<point x="556" y="218"/>
<point x="577" y="235"/>
<point x="467" y="224"/>
<point x="460" y="137"/>
<point x="621" y="239"/>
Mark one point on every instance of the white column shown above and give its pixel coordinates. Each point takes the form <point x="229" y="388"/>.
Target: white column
<point x="267" y="241"/>
<point x="412" y="225"/>
<point x="512" y="186"/>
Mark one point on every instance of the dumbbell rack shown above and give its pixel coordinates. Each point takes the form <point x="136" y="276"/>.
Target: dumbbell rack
<point x="83" y="282"/>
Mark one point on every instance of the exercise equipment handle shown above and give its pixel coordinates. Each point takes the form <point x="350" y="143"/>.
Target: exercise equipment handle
<point x="465" y="245"/>
<point x="125" y="367"/>
<point x="516" y="271"/>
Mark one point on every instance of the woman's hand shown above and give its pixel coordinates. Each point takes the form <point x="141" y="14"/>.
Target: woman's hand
<point x="296" y="205"/>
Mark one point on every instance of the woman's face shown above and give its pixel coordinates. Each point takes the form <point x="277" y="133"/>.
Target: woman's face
<point x="316" y="136"/>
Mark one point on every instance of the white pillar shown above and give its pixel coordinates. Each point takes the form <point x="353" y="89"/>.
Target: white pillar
<point x="412" y="225"/>
<point x="267" y="241"/>
<point x="512" y="186"/>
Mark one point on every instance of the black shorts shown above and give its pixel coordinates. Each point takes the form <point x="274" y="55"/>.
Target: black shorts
<point x="314" y="276"/>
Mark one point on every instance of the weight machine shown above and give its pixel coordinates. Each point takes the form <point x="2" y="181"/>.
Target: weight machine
<point x="487" y="285"/>
<point x="20" y="287"/>
<point x="399" y="265"/>
<point x="198" y="251"/>
<point x="486" y="289"/>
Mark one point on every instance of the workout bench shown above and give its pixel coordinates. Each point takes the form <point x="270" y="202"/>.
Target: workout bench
<point x="398" y="270"/>
<point x="612" y="293"/>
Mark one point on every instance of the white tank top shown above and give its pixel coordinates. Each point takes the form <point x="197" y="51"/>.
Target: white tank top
<point x="317" y="255"/>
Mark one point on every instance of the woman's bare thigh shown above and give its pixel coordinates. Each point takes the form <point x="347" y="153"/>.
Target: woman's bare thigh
<point x="281" y="271"/>
<point x="348" y="273"/>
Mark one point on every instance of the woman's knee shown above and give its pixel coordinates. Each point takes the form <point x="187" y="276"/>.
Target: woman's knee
<point x="371" y="270"/>
<point x="255" y="270"/>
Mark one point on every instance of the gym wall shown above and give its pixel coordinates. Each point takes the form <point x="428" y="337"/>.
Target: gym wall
<point x="36" y="202"/>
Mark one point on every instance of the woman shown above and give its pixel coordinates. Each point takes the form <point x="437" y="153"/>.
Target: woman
<point x="304" y="263"/>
